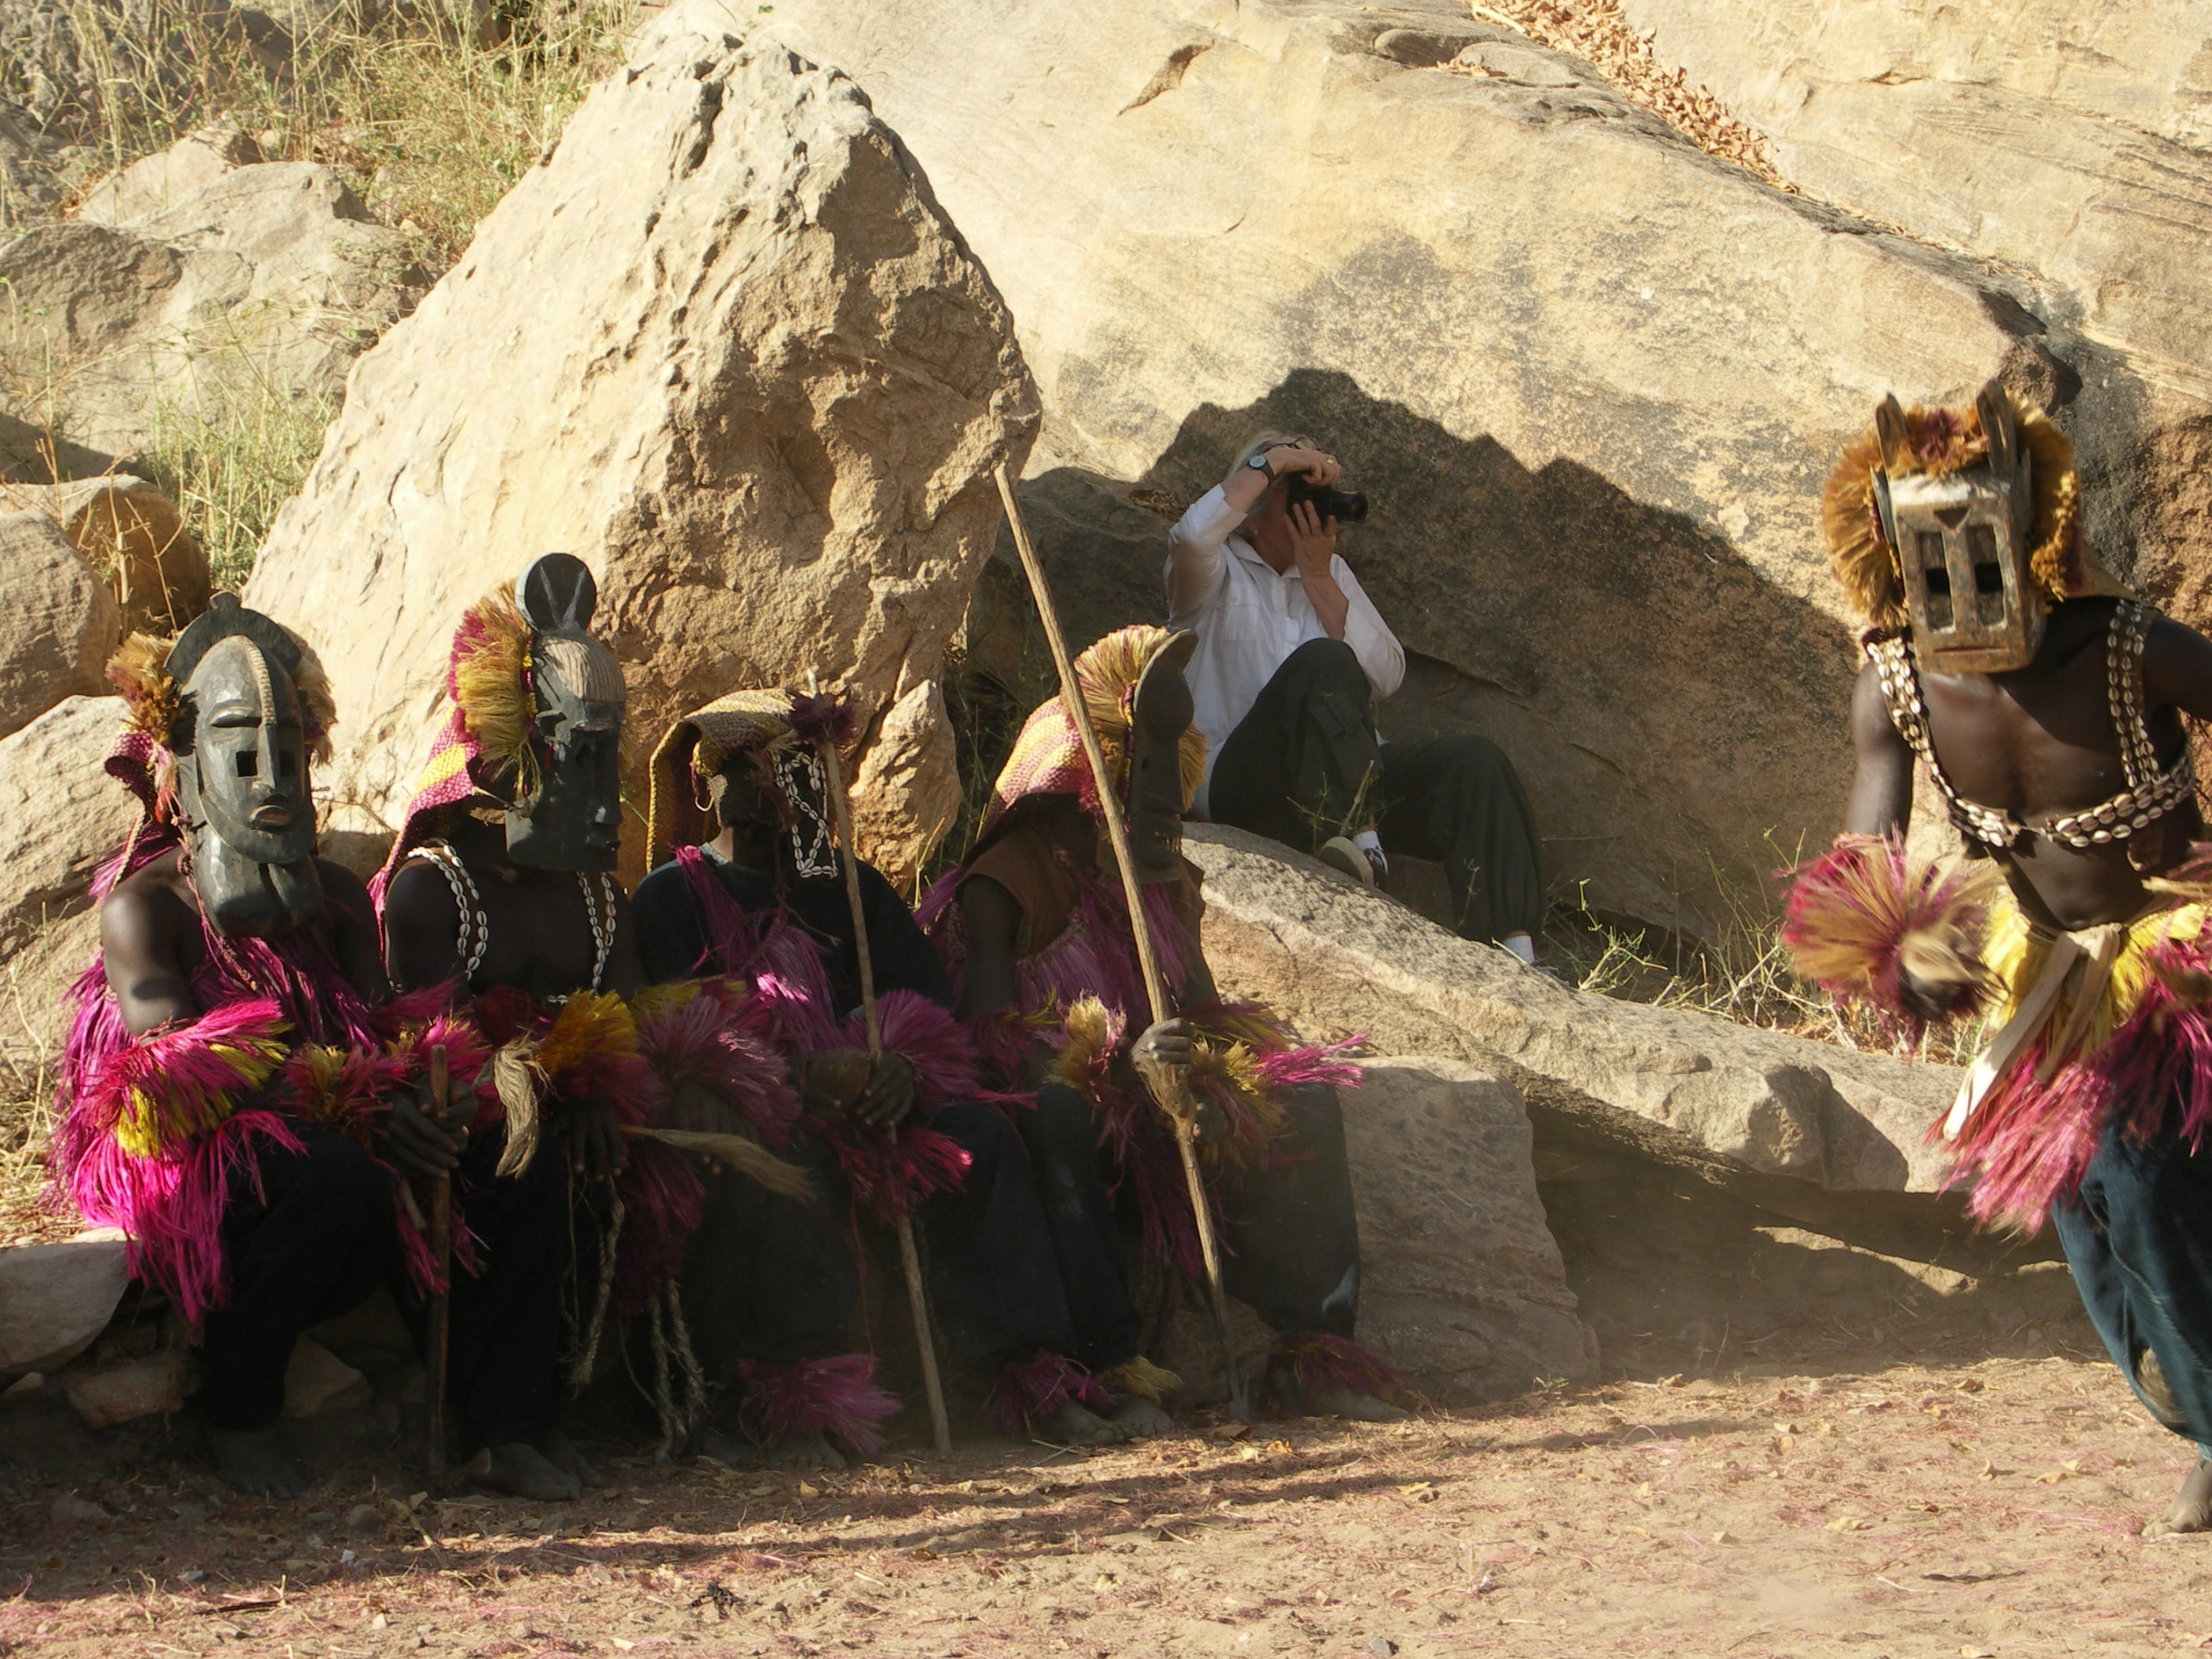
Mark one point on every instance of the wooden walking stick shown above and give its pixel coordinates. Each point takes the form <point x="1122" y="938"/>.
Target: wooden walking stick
<point x="441" y="1251"/>
<point x="940" y="1426"/>
<point x="1182" y="1109"/>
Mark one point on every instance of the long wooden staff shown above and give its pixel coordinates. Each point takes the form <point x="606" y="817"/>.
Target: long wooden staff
<point x="1181" y="1110"/>
<point x="917" y="1297"/>
<point x="441" y="1251"/>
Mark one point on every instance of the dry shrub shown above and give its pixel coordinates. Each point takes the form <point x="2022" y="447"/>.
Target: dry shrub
<point x="1594" y="30"/>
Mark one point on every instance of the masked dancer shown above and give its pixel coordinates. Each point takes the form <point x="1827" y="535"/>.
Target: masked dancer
<point x="756" y="892"/>
<point x="2046" y="702"/>
<point x="1037" y="926"/>
<point x="238" y="1092"/>
<point x="500" y="888"/>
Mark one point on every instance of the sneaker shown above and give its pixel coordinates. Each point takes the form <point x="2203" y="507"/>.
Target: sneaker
<point x="1340" y="854"/>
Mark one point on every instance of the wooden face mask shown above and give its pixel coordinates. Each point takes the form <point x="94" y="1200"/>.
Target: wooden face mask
<point x="241" y="773"/>
<point x="1961" y="542"/>
<point x="572" y="820"/>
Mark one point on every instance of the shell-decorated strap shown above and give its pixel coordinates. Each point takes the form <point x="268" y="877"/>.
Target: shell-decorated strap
<point x="1900" y="676"/>
<point x="2152" y="793"/>
<point x="475" y="937"/>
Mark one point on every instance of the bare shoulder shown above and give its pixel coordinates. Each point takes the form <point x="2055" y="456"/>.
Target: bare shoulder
<point x="2176" y="666"/>
<point x="144" y="910"/>
<point x="419" y="897"/>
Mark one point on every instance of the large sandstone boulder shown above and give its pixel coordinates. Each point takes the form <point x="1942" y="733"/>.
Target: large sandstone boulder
<point x="723" y="345"/>
<point x="59" y="626"/>
<point x="131" y="533"/>
<point x="1461" y="1287"/>
<point x="263" y="281"/>
<point x="60" y="815"/>
<point x="55" y="1298"/>
<point x="1830" y="1136"/>
<point x="1592" y="377"/>
<point x="154" y="184"/>
<point x="2074" y="141"/>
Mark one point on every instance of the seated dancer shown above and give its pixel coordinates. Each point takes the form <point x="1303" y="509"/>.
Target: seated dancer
<point x="1040" y="937"/>
<point x="2046" y="702"/>
<point x="237" y="1090"/>
<point x="771" y="1283"/>
<point x="497" y="887"/>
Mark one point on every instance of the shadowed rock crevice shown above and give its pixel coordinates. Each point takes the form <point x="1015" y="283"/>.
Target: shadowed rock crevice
<point x="1648" y="681"/>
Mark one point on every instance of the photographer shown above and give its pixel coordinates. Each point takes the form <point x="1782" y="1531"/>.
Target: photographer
<point x="1292" y="653"/>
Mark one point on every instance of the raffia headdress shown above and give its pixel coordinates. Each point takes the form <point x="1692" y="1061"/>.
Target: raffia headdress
<point x="1945" y="441"/>
<point x="1049" y="757"/>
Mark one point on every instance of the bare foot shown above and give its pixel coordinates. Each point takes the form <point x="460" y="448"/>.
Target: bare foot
<point x="731" y="1450"/>
<point x="1143" y="1419"/>
<point x="1071" y="1425"/>
<point x="1329" y="1398"/>
<point x="520" y="1467"/>
<point x="253" y="1462"/>
<point x="555" y="1446"/>
<point x="2192" y="1506"/>
<point x="803" y="1451"/>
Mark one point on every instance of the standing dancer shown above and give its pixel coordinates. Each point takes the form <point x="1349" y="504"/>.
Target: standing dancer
<point x="1036" y="926"/>
<point x="2046" y="704"/>
<point x="756" y="892"/>
<point x="237" y="1089"/>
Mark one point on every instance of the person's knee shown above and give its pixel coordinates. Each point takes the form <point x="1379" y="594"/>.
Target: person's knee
<point x="1326" y="664"/>
<point x="343" y="1178"/>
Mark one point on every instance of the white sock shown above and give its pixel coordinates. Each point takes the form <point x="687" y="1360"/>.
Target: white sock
<point x="1368" y="841"/>
<point x="1522" y="946"/>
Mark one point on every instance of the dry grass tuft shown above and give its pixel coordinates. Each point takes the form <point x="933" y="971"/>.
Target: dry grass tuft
<point x="1596" y="30"/>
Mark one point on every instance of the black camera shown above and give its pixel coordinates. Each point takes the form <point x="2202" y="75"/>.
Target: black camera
<point x="1345" y="506"/>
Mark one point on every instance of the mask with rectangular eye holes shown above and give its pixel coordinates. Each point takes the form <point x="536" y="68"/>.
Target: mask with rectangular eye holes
<point x="572" y="820"/>
<point x="241" y="772"/>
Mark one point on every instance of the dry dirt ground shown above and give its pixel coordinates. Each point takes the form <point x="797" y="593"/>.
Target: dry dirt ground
<point x="1982" y="1509"/>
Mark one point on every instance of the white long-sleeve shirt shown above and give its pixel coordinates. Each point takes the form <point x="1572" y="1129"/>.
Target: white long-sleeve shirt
<point x="1249" y="617"/>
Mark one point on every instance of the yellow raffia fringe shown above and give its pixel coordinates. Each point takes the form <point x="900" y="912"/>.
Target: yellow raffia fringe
<point x="320" y="1066"/>
<point x="1109" y="673"/>
<point x="1847" y="934"/>
<point x="139" y="1130"/>
<point x="1091" y="1035"/>
<point x="1142" y="1378"/>
<point x="655" y="1001"/>
<point x="488" y="685"/>
<point x="2016" y="956"/>
<point x="589" y="1024"/>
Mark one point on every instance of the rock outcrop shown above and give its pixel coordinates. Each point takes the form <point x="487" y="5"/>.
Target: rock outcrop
<point x="2072" y="141"/>
<point x="56" y="1298"/>
<point x="759" y="383"/>
<point x="60" y="814"/>
<point x="59" y="626"/>
<point x="1591" y="377"/>
<point x="1461" y="1286"/>
<point x="132" y="535"/>
<point x="263" y="282"/>
<point x="1832" y="1138"/>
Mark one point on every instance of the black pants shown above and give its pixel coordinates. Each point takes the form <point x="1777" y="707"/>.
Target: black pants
<point x="2139" y="1239"/>
<point x="773" y="1279"/>
<point x="313" y="1241"/>
<point x="1305" y="763"/>
<point x="1291" y="1246"/>
<point x="506" y="1324"/>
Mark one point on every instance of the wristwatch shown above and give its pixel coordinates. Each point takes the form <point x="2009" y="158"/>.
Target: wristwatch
<point x="1258" y="464"/>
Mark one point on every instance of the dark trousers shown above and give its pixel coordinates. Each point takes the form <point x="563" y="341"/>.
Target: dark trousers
<point x="773" y="1279"/>
<point x="306" y="1236"/>
<point x="1305" y="763"/>
<point x="766" y="1277"/>
<point x="2139" y="1239"/>
<point x="1291" y="1245"/>
<point x="506" y="1324"/>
